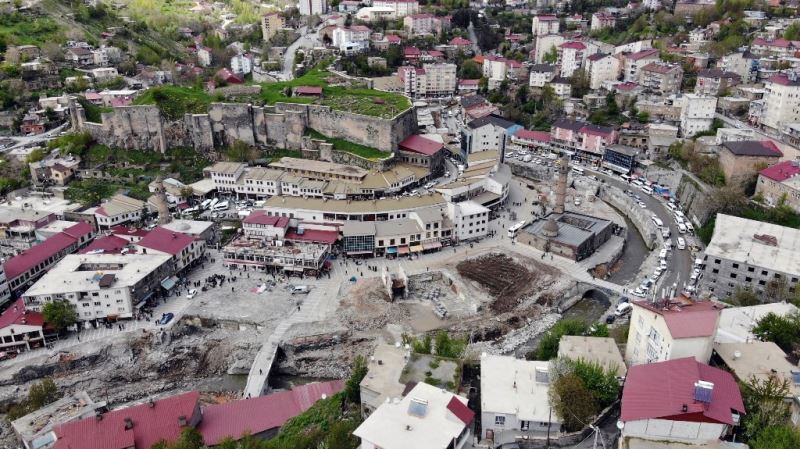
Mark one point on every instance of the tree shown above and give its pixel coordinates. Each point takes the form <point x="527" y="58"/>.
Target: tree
<point x="40" y="394"/>
<point x="239" y="151"/>
<point x="792" y="32"/>
<point x="548" y="345"/>
<point x="744" y="297"/>
<point x="573" y="402"/>
<point x="190" y="438"/>
<point x="60" y="314"/>
<point x="449" y="347"/>
<point x="777" y="437"/>
<point x="764" y="400"/>
<point x="470" y="70"/>
<point x="352" y="388"/>
<point x="579" y="83"/>
<point x="551" y="56"/>
<point x="784" y="331"/>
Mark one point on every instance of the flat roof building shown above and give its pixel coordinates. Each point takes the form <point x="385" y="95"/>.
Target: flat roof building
<point x="600" y="350"/>
<point x="101" y="286"/>
<point x="569" y="234"/>
<point x="736" y="323"/>
<point x="750" y="254"/>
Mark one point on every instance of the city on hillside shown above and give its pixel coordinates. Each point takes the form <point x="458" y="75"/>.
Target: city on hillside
<point x="399" y="224"/>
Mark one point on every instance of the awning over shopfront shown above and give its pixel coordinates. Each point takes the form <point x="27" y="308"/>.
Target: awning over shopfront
<point x="416" y="248"/>
<point x="391" y="250"/>
<point x="431" y="245"/>
<point x="403" y="250"/>
<point x="169" y="283"/>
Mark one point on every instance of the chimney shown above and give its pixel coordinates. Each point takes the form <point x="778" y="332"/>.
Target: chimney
<point x="128" y="424"/>
<point x="151" y="403"/>
<point x="182" y="421"/>
<point x="98" y="415"/>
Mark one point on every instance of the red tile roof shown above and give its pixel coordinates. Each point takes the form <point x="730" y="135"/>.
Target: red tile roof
<point x="766" y="148"/>
<point x="37" y="254"/>
<point x="468" y="82"/>
<point x="16" y="314"/>
<point x="109" y="244"/>
<point x="392" y="38"/>
<point x="697" y="319"/>
<point x="150" y="425"/>
<point x="251" y="416"/>
<point x="573" y="45"/>
<point x="313" y="236"/>
<point x="461" y="410"/>
<point x="783" y="79"/>
<point x="660" y="390"/>
<point x="133" y="232"/>
<point x="261" y="218"/>
<point x="540" y="136"/>
<point x="419" y="144"/>
<point x="642" y="54"/>
<point x="164" y="240"/>
<point x="411" y="51"/>
<point x="782" y="171"/>
<point x="460" y="41"/>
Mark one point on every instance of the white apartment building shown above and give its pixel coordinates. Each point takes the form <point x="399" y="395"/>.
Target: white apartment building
<point x="427" y="417"/>
<point x="570" y="57"/>
<point x="432" y="80"/>
<point x="118" y="210"/>
<point x="495" y="67"/>
<point x="541" y="74"/>
<point x="100" y="286"/>
<point x="184" y="249"/>
<point x="270" y="25"/>
<point x="635" y="61"/>
<point x="602" y="20"/>
<point x="241" y="65"/>
<point x="486" y="133"/>
<point x="544" y="44"/>
<point x="104" y="74"/>
<point x="601" y="67"/>
<point x="670" y="330"/>
<point x="514" y="399"/>
<point x="401" y="8"/>
<point x="312" y="7"/>
<point x="5" y="290"/>
<point x="544" y="25"/>
<point x="225" y="175"/>
<point x="204" y="56"/>
<point x="422" y="24"/>
<point x="781" y="101"/>
<point x="352" y="39"/>
<point x="697" y="113"/>
<point x="470" y="220"/>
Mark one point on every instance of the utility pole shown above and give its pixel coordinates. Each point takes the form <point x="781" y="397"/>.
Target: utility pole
<point x="549" y="422"/>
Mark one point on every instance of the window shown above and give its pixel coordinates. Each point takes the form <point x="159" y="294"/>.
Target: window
<point x="751" y="269"/>
<point x="733" y="275"/>
<point x="736" y="265"/>
<point x="499" y="420"/>
<point x="715" y="270"/>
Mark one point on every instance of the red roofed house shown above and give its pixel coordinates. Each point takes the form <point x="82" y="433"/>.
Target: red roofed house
<point x="461" y="43"/>
<point x="468" y="86"/>
<point x="22" y="270"/>
<point x="419" y="150"/>
<point x="531" y="139"/>
<point x="775" y="48"/>
<point x="229" y="77"/>
<point x="20" y="328"/>
<point x="740" y="161"/>
<point x="781" y="181"/>
<point x="262" y="416"/>
<point x="184" y="249"/>
<point x="671" y="329"/>
<point x="680" y="400"/>
<point x="109" y="244"/>
<point x="411" y="54"/>
<point x="118" y="210"/>
<point x="137" y="427"/>
<point x="301" y="234"/>
<point x="258" y="225"/>
<point x="635" y="61"/>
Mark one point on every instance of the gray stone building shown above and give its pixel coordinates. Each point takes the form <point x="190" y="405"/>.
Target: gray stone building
<point x="751" y="255"/>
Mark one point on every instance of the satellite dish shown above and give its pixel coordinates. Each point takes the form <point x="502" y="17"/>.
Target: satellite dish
<point x="620" y="425"/>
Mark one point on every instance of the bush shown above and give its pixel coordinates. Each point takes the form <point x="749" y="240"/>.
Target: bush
<point x="548" y="345"/>
<point x="573" y="402"/>
<point x="40" y="394"/>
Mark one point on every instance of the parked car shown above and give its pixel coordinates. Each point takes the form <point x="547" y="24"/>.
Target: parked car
<point x="300" y="290"/>
<point x="623" y="309"/>
<point x="192" y="293"/>
<point x="681" y="243"/>
<point x="610" y="319"/>
<point x="166" y="318"/>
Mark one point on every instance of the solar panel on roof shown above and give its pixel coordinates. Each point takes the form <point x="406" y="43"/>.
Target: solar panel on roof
<point x="796" y="377"/>
<point x="418" y="407"/>
<point x="703" y="391"/>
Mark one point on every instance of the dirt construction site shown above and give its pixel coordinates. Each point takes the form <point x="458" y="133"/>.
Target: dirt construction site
<point x="499" y="301"/>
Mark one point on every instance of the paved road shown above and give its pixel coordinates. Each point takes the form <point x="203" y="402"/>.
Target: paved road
<point x="306" y="40"/>
<point x="22" y="141"/>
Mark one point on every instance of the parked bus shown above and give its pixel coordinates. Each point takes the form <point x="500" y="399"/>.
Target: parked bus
<point x="625" y="178"/>
<point x="204" y="205"/>
<point x="578" y="171"/>
<point x="512" y="231"/>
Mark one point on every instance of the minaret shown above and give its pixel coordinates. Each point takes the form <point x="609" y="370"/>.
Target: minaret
<point x="561" y="185"/>
<point x="159" y="199"/>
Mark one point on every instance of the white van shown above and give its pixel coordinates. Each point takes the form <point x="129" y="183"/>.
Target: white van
<point x="681" y="243"/>
<point x="625" y="178"/>
<point x="682" y="228"/>
<point x="647" y="190"/>
<point x="665" y="232"/>
<point x="300" y="290"/>
<point x="623" y="309"/>
<point x="689" y="226"/>
<point x="663" y="253"/>
<point x="527" y="158"/>
<point x="220" y="206"/>
<point x="657" y="221"/>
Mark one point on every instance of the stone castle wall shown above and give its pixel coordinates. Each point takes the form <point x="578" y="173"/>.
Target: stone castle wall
<point x="282" y="125"/>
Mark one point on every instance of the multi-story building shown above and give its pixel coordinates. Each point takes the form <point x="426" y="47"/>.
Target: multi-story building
<point x="20" y="329"/>
<point x="600" y="68"/>
<point x="570" y="57"/>
<point x="778" y="48"/>
<point x="661" y="78"/>
<point x="741" y="160"/>
<point x="470" y="220"/>
<point x="422" y="24"/>
<point x="585" y="139"/>
<point x="422" y="151"/>
<point x="715" y="81"/>
<point x="781" y="101"/>
<point x="204" y="56"/>
<point x="541" y="74"/>
<point x="751" y="255"/>
<point x="431" y="80"/>
<point x="351" y="39"/>
<point x="241" y="64"/>
<point x="620" y="158"/>
<point x="743" y="64"/>
<point x="780" y="184"/>
<point x="271" y="23"/>
<point x="225" y="175"/>
<point x="185" y="250"/>
<point x="401" y="8"/>
<point x="677" y="403"/>
<point x="515" y="399"/>
<point x="633" y="62"/>
<point x="602" y="20"/>
<point x="671" y="329"/>
<point x="5" y="290"/>
<point x="491" y="132"/>
<point x="544" y="25"/>
<point x="312" y="7"/>
<point x="544" y="45"/>
<point x="118" y="210"/>
<point x="697" y="113"/>
<point x="101" y="286"/>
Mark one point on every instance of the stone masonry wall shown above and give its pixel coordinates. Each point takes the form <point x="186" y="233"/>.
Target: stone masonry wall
<point x="131" y="127"/>
<point x="640" y="217"/>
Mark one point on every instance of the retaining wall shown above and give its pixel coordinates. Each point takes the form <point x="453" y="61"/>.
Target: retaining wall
<point x="640" y="217"/>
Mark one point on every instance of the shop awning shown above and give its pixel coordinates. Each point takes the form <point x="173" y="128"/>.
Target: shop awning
<point x="391" y="250"/>
<point x="432" y="245"/>
<point x="416" y="248"/>
<point x="169" y="283"/>
<point x="403" y="250"/>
